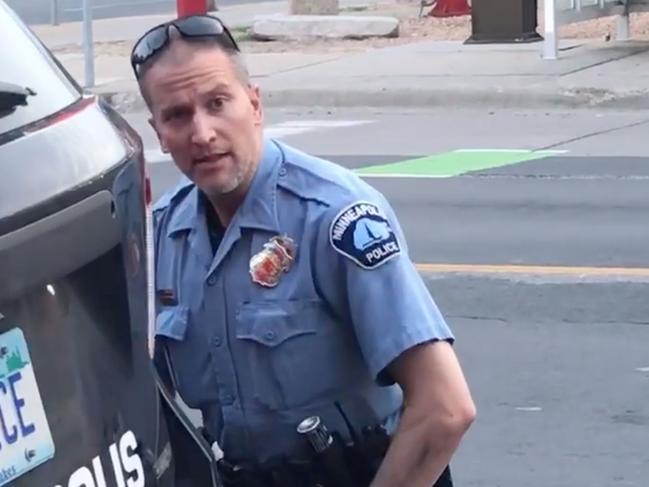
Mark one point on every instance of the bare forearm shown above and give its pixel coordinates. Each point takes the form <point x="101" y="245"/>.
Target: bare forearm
<point x="438" y="411"/>
<point x="418" y="454"/>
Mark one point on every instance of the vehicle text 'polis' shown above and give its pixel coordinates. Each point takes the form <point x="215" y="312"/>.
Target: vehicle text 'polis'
<point x="126" y="467"/>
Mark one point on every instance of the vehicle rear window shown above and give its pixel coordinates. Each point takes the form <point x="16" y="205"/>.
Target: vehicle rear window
<point x="24" y="62"/>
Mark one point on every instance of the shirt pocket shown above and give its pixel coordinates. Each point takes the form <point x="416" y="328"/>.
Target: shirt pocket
<point x="188" y="356"/>
<point x="287" y="347"/>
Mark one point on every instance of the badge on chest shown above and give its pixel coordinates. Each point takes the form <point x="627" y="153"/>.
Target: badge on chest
<point x="277" y="256"/>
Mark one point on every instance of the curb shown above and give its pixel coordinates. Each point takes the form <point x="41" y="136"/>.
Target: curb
<point x="448" y="98"/>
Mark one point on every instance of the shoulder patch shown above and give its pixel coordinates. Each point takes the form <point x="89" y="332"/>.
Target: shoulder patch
<point x="362" y="233"/>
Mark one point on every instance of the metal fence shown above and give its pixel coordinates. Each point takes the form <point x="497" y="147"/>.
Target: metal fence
<point x="561" y="12"/>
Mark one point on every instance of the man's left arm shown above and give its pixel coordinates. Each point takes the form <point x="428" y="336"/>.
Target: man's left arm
<point x="438" y="411"/>
<point x="403" y="337"/>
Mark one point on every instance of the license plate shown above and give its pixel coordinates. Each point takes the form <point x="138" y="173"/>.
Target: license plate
<point x="25" y="437"/>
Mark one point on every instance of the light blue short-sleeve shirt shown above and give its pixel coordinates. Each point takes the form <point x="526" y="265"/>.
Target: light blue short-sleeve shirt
<point x="308" y="298"/>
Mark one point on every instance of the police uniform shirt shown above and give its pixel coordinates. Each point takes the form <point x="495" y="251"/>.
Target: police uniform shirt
<point x="258" y="351"/>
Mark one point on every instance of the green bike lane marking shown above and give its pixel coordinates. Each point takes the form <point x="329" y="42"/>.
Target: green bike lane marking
<point x="454" y="163"/>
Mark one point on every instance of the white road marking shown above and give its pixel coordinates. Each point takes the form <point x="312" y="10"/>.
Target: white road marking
<point x="514" y="151"/>
<point x="322" y="123"/>
<point x="529" y="409"/>
<point x="156" y="156"/>
<point x="398" y="175"/>
<point x="276" y="131"/>
<point x="642" y="369"/>
<point x="281" y="132"/>
<point x="296" y="127"/>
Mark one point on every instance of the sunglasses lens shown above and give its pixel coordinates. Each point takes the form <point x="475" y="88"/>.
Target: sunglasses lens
<point x="149" y="44"/>
<point x="199" y="26"/>
<point x="205" y="26"/>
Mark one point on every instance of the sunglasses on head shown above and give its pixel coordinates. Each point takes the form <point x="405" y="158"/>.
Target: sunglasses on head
<point x="195" y="26"/>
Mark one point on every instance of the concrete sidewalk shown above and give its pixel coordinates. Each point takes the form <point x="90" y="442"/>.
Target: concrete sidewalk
<point x="415" y="75"/>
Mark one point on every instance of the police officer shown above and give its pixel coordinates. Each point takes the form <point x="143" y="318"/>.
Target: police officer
<point x="283" y="281"/>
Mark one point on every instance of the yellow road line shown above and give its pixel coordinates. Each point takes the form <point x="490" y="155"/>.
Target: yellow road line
<point x="535" y="270"/>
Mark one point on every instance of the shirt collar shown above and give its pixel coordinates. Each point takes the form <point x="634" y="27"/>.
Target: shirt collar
<point x="259" y="207"/>
<point x="186" y="213"/>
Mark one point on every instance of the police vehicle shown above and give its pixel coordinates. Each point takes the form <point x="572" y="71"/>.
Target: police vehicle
<point x="80" y="403"/>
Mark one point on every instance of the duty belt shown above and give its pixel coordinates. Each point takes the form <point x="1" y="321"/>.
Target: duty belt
<point x="332" y="463"/>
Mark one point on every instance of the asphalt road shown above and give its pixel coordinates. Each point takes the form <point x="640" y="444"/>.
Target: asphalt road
<point x="557" y="358"/>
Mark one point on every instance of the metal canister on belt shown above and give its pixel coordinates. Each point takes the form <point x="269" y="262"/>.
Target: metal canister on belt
<point x="329" y="451"/>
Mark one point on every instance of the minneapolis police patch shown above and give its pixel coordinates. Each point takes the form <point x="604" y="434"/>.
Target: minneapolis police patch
<point x="362" y="233"/>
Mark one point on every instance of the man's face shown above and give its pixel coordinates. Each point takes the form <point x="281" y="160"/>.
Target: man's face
<point x="205" y="116"/>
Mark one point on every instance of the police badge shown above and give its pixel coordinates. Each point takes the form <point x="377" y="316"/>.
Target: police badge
<point x="276" y="257"/>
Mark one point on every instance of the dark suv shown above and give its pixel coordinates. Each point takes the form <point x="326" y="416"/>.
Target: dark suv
<point x="80" y="403"/>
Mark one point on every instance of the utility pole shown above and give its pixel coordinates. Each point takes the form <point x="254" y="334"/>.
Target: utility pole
<point x="88" y="45"/>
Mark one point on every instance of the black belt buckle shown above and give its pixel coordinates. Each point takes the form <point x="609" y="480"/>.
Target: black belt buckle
<point x="227" y="471"/>
<point x="279" y="475"/>
<point x="239" y="476"/>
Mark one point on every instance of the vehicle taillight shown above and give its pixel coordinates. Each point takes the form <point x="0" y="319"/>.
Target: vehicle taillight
<point x="147" y="189"/>
<point x="69" y="112"/>
<point x="150" y="263"/>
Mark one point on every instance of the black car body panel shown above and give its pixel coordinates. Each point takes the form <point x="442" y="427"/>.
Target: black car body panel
<point x="57" y="192"/>
<point x="74" y="282"/>
<point x="80" y="149"/>
<point x="80" y="402"/>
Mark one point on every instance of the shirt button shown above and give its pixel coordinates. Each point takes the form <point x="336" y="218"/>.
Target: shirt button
<point x="282" y="171"/>
<point x="270" y="335"/>
<point x="211" y="280"/>
<point x="218" y="341"/>
<point x="228" y="399"/>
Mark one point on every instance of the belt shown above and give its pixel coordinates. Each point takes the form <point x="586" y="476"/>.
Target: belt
<point x="331" y="463"/>
<point x="292" y="475"/>
<point x="281" y="474"/>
